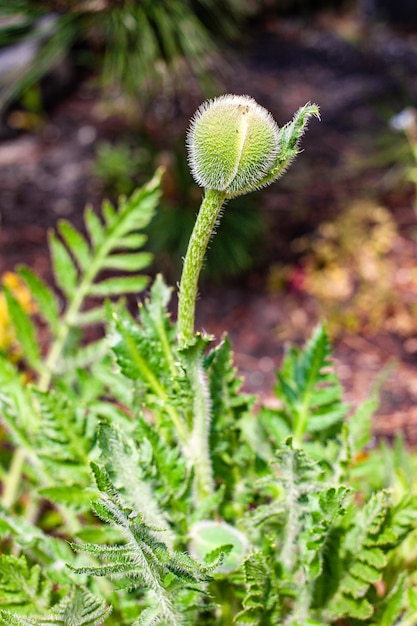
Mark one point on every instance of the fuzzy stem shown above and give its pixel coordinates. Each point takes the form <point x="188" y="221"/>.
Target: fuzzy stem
<point x="203" y="229"/>
<point x="200" y="448"/>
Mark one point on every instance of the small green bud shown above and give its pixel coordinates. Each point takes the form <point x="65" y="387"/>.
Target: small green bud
<point x="235" y="146"/>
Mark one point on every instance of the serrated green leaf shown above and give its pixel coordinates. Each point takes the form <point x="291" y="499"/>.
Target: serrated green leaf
<point x="23" y="586"/>
<point x="79" y="608"/>
<point x="44" y="297"/>
<point x="76" y="243"/>
<point x="25" y="330"/>
<point x="144" y="560"/>
<point x="311" y="394"/>
<point x="13" y="619"/>
<point x="123" y="462"/>
<point x="151" y="616"/>
<point x="373" y="556"/>
<point x="345" y="606"/>
<point x="360" y="424"/>
<point x="65" y="272"/>
<point x="365" y="572"/>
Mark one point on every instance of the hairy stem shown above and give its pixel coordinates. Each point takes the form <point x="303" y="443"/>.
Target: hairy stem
<point x="200" y="449"/>
<point x="203" y="229"/>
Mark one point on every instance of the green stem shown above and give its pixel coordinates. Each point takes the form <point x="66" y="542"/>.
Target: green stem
<point x="200" y="447"/>
<point x="300" y="426"/>
<point x="11" y="484"/>
<point x="203" y="229"/>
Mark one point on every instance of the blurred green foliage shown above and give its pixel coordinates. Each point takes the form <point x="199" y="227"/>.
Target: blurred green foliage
<point x="131" y="42"/>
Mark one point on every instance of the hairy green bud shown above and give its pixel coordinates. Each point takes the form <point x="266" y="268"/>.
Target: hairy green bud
<point x="235" y="145"/>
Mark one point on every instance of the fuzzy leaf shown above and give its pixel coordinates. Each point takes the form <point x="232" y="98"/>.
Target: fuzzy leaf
<point x="143" y="561"/>
<point x="126" y="468"/>
<point x="78" y="608"/>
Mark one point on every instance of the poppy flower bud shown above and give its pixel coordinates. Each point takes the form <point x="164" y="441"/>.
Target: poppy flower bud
<point x="235" y="146"/>
<point x="232" y="142"/>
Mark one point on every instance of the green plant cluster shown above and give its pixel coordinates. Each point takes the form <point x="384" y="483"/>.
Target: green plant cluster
<point x="142" y="487"/>
<point x="282" y="530"/>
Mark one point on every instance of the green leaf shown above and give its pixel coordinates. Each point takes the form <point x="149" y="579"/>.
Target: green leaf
<point x="65" y="272"/>
<point x="25" y="330"/>
<point x="91" y="316"/>
<point x="84" y="357"/>
<point x="345" y="606"/>
<point x="125" y="463"/>
<point x="311" y="394"/>
<point x="132" y="262"/>
<point x="65" y="437"/>
<point x="134" y="241"/>
<point x="44" y="297"/>
<point x="144" y="561"/>
<point x="79" y="608"/>
<point x="12" y="619"/>
<point x="76" y="243"/>
<point x="22" y="586"/>
<point x="109" y="214"/>
<point x="77" y="497"/>
<point x="119" y="286"/>
<point x="94" y="226"/>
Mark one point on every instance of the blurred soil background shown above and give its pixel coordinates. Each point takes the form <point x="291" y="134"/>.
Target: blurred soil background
<point x="335" y="239"/>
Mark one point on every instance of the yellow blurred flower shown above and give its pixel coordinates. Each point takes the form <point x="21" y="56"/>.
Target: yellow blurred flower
<point x="23" y="296"/>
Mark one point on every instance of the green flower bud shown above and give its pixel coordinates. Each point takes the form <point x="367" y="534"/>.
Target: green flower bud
<point x="233" y="143"/>
<point x="234" y="147"/>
